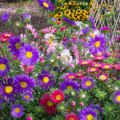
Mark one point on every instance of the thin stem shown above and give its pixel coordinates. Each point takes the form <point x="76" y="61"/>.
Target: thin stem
<point x="2" y="51"/>
<point x="41" y="20"/>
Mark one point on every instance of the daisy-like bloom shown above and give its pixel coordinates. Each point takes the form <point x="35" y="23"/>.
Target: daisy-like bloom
<point x="92" y="69"/>
<point x="57" y="96"/>
<point x="96" y="64"/>
<point x="98" y="57"/>
<point x="16" y="111"/>
<point x="24" y="83"/>
<point x="69" y="21"/>
<point x="44" y="80"/>
<point x="27" y="96"/>
<point x="71" y="117"/>
<point x="25" y="15"/>
<point x="15" y="45"/>
<point x="4" y="67"/>
<point x="48" y="104"/>
<point x="47" y="4"/>
<point x="4" y="39"/>
<point x="85" y="62"/>
<point x="29" y="55"/>
<point x="87" y="114"/>
<point x="7" y="35"/>
<point x="117" y="97"/>
<point x="102" y="76"/>
<point x="106" y="66"/>
<point x="5" y="17"/>
<point x="105" y="29"/>
<point x="97" y="44"/>
<point x="70" y="77"/>
<point x="79" y="74"/>
<point x="87" y="83"/>
<point x="70" y="85"/>
<point x="8" y="90"/>
<point x="85" y="30"/>
<point x="92" y="21"/>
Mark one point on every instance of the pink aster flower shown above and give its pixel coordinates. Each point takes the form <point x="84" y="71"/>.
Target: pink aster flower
<point x="45" y="30"/>
<point x="96" y="64"/>
<point x="41" y="60"/>
<point x="102" y="76"/>
<point x="118" y="67"/>
<point x="57" y="96"/>
<point x="92" y="69"/>
<point x="98" y="57"/>
<point x="71" y="117"/>
<point x="4" y="39"/>
<point x="70" y="77"/>
<point x="105" y="29"/>
<point x="106" y="66"/>
<point x="85" y="62"/>
<point x="79" y="74"/>
<point x="7" y="35"/>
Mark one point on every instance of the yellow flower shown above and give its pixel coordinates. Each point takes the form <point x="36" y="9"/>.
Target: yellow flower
<point x="60" y="14"/>
<point x="81" y="18"/>
<point x="91" y="3"/>
<point x="110" y="8"/>
<point x="78" y="11"/>
<point x="62" y="7"/>
<point x="70" y="16"/>
<point x="104" y="3"/>
<point x="101" y="17"/>
<point x="67" y="12"/>
<point x="60" y="0"/>
<point x="50" y="15"/>
<point x="75" y="17"/>
<point x="72" y="11"/>
<point x="59" y="19"/>
<point x="72" y="3"/>
<point x="77" y="6"/>
<point x="57" y="8"/>
<point x="56" y="16"/>
<point x="66" y="3"/>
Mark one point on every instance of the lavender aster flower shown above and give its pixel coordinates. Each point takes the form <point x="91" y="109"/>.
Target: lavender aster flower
<point x="26" y="15"/>
<point x="97" y="44"/>
<point x="15" y="45"/>
<point x="4" y="67"/>
<point x="69" y="21"/>
<point x="85" y="30"/>
<point x="117" y="97"/>
<point x="5" y="17"/>
<point x="29" y="55"/>
<point x="27" y="96"/>
<point x="93" y="23"/>
<point x="47" y="4"/>
<point x="17" y="111"/>
<point x="87" y="83"/>
<point x="24" y="83"/>
<point x="44" y="80"/>
<point x="69" y="84"/>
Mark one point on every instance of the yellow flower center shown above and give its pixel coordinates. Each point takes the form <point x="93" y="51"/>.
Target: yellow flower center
<point x="18" y="46"/>
<point x="7" y="35"/>
<point x="8" y="89"/>
<point x="79" y="74"/>
<point x="17" y="110"/>
<point x="71" y="118"/>
<point x="58" y="97"/>
<point x="23" y="84"/>
<point x="85" y="62"/>
<point x="27" y="96"/>
<point x="106" y="66"/>
<point x="89" y="117"/>
<point x="50" y="103"/>
<point x="92" y="35"/>
<point x="93" y="69"/>
<point x="118" y="98"/>
<point x="71" y="77"/>
<point x="2" y="66"/>
<point x="102" y="77"/>
<point x="45" y="5"/>
<point x="97" y="44"/>
<point x="88" y="83"/>
<point x="64" y="57"/>
<point x="50" y="41"/>
<point x="45" y="79"/>
<point x="4" y="39"/>
<point x="29" y="55"/>
<point x="69" y="87"/>
<point x="99" y="58"/>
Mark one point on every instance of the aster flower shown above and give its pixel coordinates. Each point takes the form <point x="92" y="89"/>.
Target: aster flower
<point x="48" y="104"/>
<point x="92" y="21"/>
<point x="8" y="35"/>
<point x="106" y="66"/>
<point x="25" y="15"/>
<point x="70" y="77"/>
<point x="5" y="17"/>
<point x="29" y="55"/>
<point x="47" y="4"/>
<point x="57" y="96"/>
<point x="85" y="62"/>
<point x="4" y="39"/>
<point x="85" y="30"/>
<point x="24" y="83"/>
<point x="27" y="96"/>
<point x="69" y="84"/>
<point x="105" y="29"/>
<point x="117" y="97"/>
<point x="87" y="83"/>
<point x="16" y="111"/>
<point x="102" y="76"/>
<point x="71" y="117"/>
<point x="8" y="90"/>
<point x="97" y="44"/>
<point x="92" y="69"/>
<point x="0" y="104"/>
<point x="69" y="21"/>
<point x="4" y="67"/>
<point x="98" y="57"/>
<point x="44" y="80"/>
<point x="15" y="45"/>
<point x="96" y="64"/>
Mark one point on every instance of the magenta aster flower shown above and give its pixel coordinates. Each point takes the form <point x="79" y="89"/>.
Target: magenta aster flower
<point x="105" y="29"/>
<point x="102" y="76"/>
<point x="29" y="55"/>
<point x="24" y="83"/>
<point x="85" y="62"/>
<point x="117" y="97"/>
<point x="5" y="17"/>
<point x="15" y="45"/>
<point x="47" y="4"/>
<point x="27" y="96"/>
<point x="7" y="35"/>
<point x="106" y="66"/>
<point x="97" y="44"/>
<point x="16" y="111"/>
<point x="45" y="80"/>
<point x="98" y="57"/>
<point x="87" y="83"/>
<point x="92" y="69"/>
<point x="70" y="77"/>
<point x="4" y="67"/>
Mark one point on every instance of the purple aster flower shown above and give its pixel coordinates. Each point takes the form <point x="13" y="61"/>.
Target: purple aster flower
<point x="44" y="80"/>
<point x="105" y="28"/>
<point x="54" y="19"/>
<point x="16" y="111"/>
<point x="87" y="113"/>
<point x="69" y="21"/>
<point x="26" y="15"/>
<point x="97" y="44"/>
<point x="0" y="104"/>
<point x="8" y="90"/>
<point x="4" y="67"/>
<point x="69" y="84"/>
<point x="85" y="30"/>
<point x="87" y="83"/>
<point x="5" y="17"/>
<point x="15" y="45"/>
<point x="117" y="97"/>
<point x="29" y="55"/>
<point x="93" y="23"/>
<point x="47" y="4"/>
<point x="24" y="83"/>
<point x="27" y="96"/>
